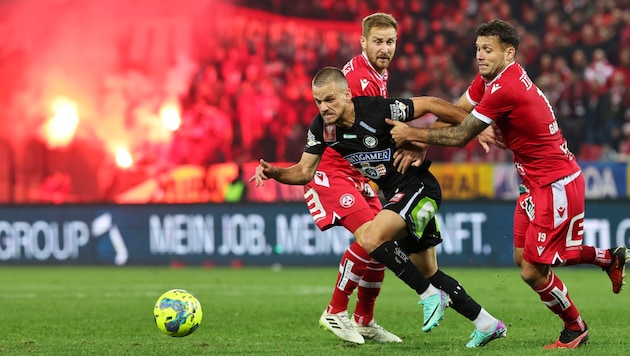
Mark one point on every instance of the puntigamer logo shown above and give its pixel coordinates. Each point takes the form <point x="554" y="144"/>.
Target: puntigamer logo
<point x="376" y="156"/>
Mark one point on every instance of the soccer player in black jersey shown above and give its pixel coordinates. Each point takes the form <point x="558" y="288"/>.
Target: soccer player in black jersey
<point x="356" y="128"/>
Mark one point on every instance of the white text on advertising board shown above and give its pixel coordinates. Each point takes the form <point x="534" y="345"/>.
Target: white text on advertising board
<point x="242" y="234"/>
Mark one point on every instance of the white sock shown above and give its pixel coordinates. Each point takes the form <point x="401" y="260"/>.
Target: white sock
<point x="484" y="321"/>
<point x="429" y="292"/>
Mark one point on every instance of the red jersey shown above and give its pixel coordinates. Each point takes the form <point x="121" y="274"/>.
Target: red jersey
<point x="527" y="123"/>
<point x="363" y="80"/>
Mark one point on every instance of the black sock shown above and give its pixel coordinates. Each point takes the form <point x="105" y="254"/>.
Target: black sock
<point x="398" y="262"/>
<point x="461" y="302"/>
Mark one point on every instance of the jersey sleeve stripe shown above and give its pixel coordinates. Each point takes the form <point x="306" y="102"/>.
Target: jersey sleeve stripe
<point x="474" y="103"/>
<point x="482" y="117"/>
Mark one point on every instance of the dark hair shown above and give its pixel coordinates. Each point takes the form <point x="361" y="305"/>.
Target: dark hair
<point x="330" y="74"/>
<point x="378" y="20"/>
<point x="503" y="30"/>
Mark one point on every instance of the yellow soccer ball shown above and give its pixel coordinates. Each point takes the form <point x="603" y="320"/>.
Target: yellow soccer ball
<point x="177" y="313"/>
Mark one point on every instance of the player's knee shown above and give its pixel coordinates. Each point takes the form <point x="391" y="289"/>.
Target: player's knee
<point x="370" y="241"/>
<point x="518" y="261"/>
<point x="533" y="275"/>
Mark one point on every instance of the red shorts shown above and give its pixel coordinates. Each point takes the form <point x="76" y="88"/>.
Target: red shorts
<point x="340" y="200"/>
<point x="549" y="221"/>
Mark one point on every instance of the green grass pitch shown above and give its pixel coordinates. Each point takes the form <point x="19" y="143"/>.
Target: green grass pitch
<point x="261" y="311"/>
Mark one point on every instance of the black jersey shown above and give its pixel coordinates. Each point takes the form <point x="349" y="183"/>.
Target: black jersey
<point x="367" y="145"/>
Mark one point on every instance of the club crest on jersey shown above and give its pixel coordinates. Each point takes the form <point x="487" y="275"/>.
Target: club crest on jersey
<point x="310" y="140"/>
<point x="398" y="111"/>
<point x="346" y="200"/>
<point x="370" y="141"/>
<point x="330" y="133"/>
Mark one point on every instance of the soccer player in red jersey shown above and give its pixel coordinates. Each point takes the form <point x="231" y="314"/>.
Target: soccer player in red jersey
<point x="549" y="215"/>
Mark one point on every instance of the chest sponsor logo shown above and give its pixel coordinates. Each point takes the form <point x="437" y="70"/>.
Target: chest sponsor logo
<point x="376" y="156"/>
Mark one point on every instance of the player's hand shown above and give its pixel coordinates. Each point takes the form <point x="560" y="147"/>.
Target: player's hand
<point x="408" y="156"/>
<point x="485" y="138"/>
<point x="261" y="175"/>
<point x="398" y="132"/>
<point x="491" y="135"/>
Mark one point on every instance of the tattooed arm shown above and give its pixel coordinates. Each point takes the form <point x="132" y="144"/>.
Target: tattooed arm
<point x="458" y="135"/>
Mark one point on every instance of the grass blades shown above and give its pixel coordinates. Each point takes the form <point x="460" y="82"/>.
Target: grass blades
<point x="264" y="311"/>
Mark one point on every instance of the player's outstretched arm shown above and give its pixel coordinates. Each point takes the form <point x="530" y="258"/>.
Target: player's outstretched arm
<point x="297" y="174"/>
<point x="458" y="135"/>
<point x="445" y="111"/>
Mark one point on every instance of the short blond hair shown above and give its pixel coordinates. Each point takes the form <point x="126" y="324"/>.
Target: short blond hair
<point x="379" y="20"/>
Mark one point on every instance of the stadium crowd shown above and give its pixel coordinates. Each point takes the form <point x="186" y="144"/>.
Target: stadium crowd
<point x="243" y="78"/>
<point x="256" y="81"/>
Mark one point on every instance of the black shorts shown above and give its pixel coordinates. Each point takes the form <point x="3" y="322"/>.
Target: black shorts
<point x="418" y="202"/>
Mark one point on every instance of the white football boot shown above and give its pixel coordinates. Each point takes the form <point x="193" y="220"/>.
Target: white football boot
<point x="341" y="326"/>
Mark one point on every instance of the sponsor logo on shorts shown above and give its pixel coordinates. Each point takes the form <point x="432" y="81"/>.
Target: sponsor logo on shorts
<point x="397" y="197"/>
